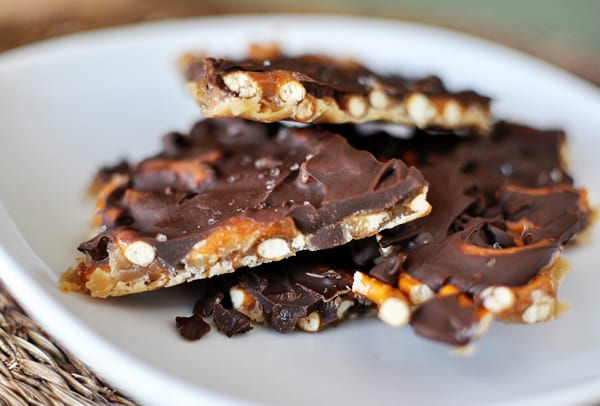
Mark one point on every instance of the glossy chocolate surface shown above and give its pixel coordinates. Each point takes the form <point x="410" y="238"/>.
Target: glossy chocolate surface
<point x="502" y="207"/>
<point x="287" y="291"/>
<point x="325" y="77"/>
<point x="231" y="169"/>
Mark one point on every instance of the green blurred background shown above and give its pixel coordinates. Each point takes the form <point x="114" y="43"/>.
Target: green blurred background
<point x="565" y="33"/>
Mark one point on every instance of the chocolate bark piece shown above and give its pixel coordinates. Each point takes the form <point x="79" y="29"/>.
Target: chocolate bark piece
<point x="230" y="322"/>
<point x="503" y="207"/>
<point x="309" y="292"/>
<point x="269" y="86"/>
<point x="234" y="193"/>
<point x="192" y="328"/>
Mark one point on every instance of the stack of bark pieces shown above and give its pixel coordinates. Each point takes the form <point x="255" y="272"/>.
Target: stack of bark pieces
<point x="457" y="222"/>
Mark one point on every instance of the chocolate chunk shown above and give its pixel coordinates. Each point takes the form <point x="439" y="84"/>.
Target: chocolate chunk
<point x="389" y="269"/>
<point x="209" y="296"/>
<point x="446" y="319"/>
<point x="230" y="322"/>
<point x="192" y="328"/>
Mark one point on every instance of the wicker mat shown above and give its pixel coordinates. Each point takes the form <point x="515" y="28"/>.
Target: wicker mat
<point x="35" y="370"/>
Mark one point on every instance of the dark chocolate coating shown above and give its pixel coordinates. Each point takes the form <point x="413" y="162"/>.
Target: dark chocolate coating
<point x="479" y="189"/>
<point x="228" y="168"/>
<point x="473" y="267"/>
<point x="230" y="322"/>
<point x="192" y="328"/>
<point x="389" y="269"/>
<point x="291" y="290"/>
<point x="208" y="296"/>
<point x="477" y="186"/>
<point x="445" y="319"/>
<point x="325" y="77"/>
<point x="287" y="290"/>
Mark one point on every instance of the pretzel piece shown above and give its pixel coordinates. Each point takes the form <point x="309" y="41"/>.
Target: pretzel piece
<point x="392" y="305"/>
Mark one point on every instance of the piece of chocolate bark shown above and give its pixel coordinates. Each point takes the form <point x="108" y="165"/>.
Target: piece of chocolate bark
<point x="308" y="292"/>
<point x="503" y="208"/>
<point x="234" y="193"/>
<point x="269" y="86"/>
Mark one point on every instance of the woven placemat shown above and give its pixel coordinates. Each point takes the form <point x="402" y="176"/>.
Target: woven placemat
<point x="36" y="370"/>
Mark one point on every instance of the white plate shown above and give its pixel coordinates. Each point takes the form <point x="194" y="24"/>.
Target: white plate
<point x="70" y="105"/>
